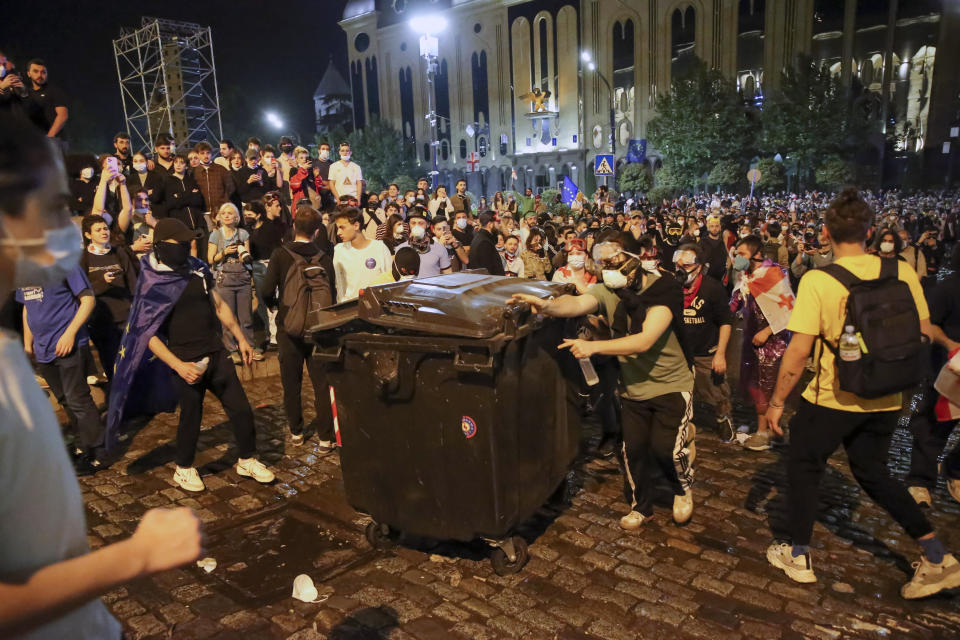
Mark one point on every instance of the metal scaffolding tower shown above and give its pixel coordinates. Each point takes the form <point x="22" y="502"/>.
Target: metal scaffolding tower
<point x="168" y="83"/>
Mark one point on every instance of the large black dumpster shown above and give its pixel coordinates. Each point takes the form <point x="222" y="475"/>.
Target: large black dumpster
<point x="457" y="413"/>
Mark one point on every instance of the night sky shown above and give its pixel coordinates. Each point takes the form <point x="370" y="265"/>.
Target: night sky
<point x="270" y="54"/>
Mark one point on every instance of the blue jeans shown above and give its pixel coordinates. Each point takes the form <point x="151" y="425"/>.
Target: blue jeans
<point x="240" y="301"/>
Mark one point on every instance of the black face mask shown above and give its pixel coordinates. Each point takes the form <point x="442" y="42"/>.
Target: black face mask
<point x="286" y="149"/>
<point x="176" y="256"/>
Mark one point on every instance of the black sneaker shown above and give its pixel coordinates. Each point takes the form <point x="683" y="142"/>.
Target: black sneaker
<point x="608" y="447"/>
<point x="725" y="429"/>
<point x="88" y="464"/>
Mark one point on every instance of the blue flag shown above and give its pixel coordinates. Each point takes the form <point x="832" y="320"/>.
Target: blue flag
<point x="142" y="384"/>
<point x="569" y="192"/>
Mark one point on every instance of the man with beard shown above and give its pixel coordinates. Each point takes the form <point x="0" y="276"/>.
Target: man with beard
<point x="714" y="250"/>
<point x="645" y="310"/>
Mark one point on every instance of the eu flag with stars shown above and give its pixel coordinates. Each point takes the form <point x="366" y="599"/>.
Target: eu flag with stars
<point x="142" y="384"/>
<point x="569" y="192"/>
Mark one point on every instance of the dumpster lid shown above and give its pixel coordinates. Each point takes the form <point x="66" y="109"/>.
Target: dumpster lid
<point x="470" y="305"/>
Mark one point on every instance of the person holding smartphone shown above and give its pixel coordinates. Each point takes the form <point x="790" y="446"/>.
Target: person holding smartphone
<point x="112" y="273"/>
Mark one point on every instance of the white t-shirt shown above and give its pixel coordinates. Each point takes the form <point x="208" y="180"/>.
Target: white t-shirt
<point x="346" y="178"/>
<point x="359" y="268"/>
<point x="42" y="521"/>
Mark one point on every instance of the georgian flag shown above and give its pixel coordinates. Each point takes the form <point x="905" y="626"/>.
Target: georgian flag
<point x="770" y="286"/>
<point x="948" y="386"/>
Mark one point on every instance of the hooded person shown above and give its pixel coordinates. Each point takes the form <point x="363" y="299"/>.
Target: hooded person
<point x="176" y="316"/>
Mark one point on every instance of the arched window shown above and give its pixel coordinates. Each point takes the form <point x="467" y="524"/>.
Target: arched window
<point x="682" y="42"/>
<point x="444" y="149"/>
<point x="623" y="83"/>
<point x="442" y="80"/>
<point x="406" y="105"/>
<point x="373" y="88"/>
<point x="356" y="81"/>
<point x="481" y="91"/>
<point x="463" y="149"/>
<point x="750" y="26"/>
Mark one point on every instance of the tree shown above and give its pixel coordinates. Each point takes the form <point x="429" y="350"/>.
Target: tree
<point x="635" y="177"/>
<point x="834" y="173"/>
<point x="809" y="118"/>
<point x="773" y="176"/>
<point x="380" y="151"/>
<point x="726" y="174"/>
<point x="667" y="185"/>
<point x="701" y="120"/>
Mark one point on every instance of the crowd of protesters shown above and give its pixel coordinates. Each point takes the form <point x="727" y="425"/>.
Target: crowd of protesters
<point x="204" y="249"/>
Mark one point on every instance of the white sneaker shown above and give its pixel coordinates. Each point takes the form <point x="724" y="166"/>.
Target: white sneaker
<point x="296" y="439"/>
<point x="633" y="521"/>
<point x="760" y="441"/>
<point x="326" y="445"/>
<point x="920" y="495"/>
<point x="798" y="568"/>
<point x="683" y="507"/>
<point x="253" y="468"/>
<point x="188" y="479"/>
<point x="953" y="486"/>
<point x="930" y="578"/>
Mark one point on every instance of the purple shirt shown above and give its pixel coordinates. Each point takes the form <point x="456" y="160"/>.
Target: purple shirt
<point x="50" y="310"/>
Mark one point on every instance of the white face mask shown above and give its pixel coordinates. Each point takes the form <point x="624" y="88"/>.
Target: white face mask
<point x="86" y="173"/>
<point x="576" y="261"/>
<point x="613" y="279"/>
<point x="461" y="223"/>
<point x="324" y="154"/>
<point x="140" y="167"/>
<point x="346" y="157"/>
<point x="417" y="232"/>
<point x="886" y="247"/>
<point x="648" y="265"/>
<point x="410" y="199"/>
<point x="63" y="243"/>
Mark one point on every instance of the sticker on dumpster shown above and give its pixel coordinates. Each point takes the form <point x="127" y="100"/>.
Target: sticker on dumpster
<point x="468" y="426"/>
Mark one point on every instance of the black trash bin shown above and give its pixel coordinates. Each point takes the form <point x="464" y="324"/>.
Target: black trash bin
<point x="457" y="413"/>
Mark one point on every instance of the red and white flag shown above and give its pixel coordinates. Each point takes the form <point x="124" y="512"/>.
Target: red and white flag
<point x="770" y="286"/>
<point x="948" y="386"/>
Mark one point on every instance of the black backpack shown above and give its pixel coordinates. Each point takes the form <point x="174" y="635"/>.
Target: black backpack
<point x="884" y="316"/>
<point x="305" y="289"/>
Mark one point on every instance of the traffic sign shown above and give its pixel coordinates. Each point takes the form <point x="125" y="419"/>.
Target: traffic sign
<point x="603" y="165"/>
<point x="753" y="175"/>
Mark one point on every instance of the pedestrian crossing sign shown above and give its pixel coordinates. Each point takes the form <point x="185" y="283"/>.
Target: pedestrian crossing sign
<point x="603" y="165"/>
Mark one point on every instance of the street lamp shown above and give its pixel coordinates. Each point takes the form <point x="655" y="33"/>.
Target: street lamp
<point x="587" y="58"/>
<point x="428" y="26"/>
<point x="274" y="120"/>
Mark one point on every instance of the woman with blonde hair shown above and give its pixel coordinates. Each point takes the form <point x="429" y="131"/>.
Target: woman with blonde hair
<point x="228" y="253"/>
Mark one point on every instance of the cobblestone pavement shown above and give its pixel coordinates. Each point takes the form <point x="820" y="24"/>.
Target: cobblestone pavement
<point x="586" y="578"/>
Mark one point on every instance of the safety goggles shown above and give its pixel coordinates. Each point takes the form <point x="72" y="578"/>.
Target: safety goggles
<point x="610" y="255"/>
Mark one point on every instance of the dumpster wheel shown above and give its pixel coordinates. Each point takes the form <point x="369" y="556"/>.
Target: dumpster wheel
<point x="379" y="535"/>
<point x="500" y="558"/>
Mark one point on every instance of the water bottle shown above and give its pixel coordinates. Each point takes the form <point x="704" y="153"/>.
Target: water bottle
<point x="589" y="373"/>
<point x="849" y="347"/>
<point x="201" y="365"/>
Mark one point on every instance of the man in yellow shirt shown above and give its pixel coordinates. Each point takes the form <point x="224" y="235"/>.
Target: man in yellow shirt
<point x="828" y="416"/>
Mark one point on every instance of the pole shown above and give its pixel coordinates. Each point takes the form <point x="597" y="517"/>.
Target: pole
<point x="752" y="182"/>
<point x="434" y="143"/>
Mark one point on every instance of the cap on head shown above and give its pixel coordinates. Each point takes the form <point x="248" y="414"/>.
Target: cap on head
<point x="173" y="229"/>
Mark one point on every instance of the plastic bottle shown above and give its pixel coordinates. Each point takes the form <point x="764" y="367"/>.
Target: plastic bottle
<point x="201" y="365"/>
<point x="589" y="373"/>
<point x="849" y="346"/>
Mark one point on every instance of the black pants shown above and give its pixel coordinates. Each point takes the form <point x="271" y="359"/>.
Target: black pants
<point x="293" y="352"/>
<point x="220" y="378"/>
<point x="106" y="335"/>
<point x="605" y="397"/>
<point x="929" y="439"/>
<point x="815" y="433"/>
<point x="68" y="382"/>
<point x="656" y="434"/>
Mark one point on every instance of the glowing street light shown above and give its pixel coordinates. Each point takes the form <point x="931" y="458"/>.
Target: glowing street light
<point x="428" y="26"/>
<point x="274" y="120"/>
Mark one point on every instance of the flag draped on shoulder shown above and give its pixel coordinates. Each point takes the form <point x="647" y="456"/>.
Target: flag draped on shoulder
<point x="142" y="384"/>
<point x="770" y="286"/>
